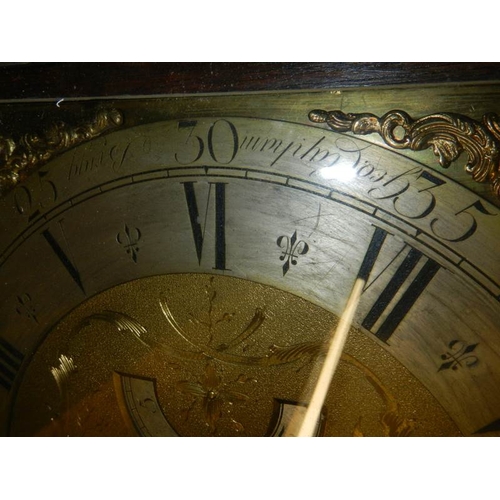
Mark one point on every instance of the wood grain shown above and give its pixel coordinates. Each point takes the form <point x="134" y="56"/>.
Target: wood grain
<point x="57" y="80"/>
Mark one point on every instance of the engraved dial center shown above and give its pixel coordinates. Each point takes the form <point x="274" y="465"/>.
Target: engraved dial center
<point x="209" y="355"/>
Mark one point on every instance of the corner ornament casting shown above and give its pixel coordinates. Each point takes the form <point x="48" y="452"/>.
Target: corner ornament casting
<point x="18" y="159"/>
<point x="448" y="134"/>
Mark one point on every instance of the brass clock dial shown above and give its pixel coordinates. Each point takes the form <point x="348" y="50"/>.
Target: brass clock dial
<point x="181" y="276"/>
<point x="208" y="355"/>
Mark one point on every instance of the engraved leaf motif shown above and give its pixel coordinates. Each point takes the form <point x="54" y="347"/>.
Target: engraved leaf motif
<point x="62" y="372"/>
<point x="233" y="396"/>
<point x="211" y="379"/>
<point x="357" y="432"/>
<point x="243" y="379"/>
<point x="288" y="354"/>
<point x="212" y="393"/>
<point x="191" y="388"/>
<point x="122" y="322"/>
<point x="254" y="324"/>
<point x="213" y="411"/>
<point x="395" y="425"/>
<point x="238" y="427"/>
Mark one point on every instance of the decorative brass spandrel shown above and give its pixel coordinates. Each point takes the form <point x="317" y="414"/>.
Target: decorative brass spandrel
<point x="448" y="134"/>
<point x="19" y="158"/>
<point x="142" y="201"/>
<point x="470" y="101"/>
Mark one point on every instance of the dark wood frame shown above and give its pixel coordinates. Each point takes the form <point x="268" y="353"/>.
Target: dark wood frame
<point x="72" y="80"/>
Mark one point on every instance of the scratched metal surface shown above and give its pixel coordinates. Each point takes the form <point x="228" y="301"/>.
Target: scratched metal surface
<point x="246" y="186"/>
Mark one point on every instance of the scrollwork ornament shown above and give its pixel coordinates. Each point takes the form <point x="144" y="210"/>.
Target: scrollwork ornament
<point x="20" y="158"/>
<point x="447" y="134"/>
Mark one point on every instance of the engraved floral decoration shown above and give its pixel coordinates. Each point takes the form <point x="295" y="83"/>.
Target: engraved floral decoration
<point x="130" y="239"/>
<point x="62" y="372"/>
<point x="19" y="158"/>
<point x="291" y="250"/>
<point x="213" y="394"/>
<point x="458" y="356"/>
<point x="210" y="392"/>
<point x="447" y="134"/>
<point x="391" y="419"/>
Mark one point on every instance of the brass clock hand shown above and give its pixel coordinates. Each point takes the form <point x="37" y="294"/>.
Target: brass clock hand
<point x="337" y="343"/>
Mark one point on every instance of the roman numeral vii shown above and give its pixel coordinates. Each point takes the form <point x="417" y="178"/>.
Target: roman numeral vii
<point x="411" y="278"/>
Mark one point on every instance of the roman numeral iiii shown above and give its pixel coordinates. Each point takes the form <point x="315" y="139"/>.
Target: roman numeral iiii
<point x="10" y="362"/>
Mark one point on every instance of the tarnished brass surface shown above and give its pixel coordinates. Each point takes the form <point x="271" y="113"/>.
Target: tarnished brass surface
<point x="19" y="158"/>
<point x="470" y="100"/>
<point x="214" y="363"/>
<point x="191" y="261"/>
<point x="447" y="134"/>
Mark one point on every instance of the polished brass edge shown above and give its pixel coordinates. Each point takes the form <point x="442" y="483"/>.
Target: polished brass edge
<point x="20" y="158"/>
<point x="448" y="134"/>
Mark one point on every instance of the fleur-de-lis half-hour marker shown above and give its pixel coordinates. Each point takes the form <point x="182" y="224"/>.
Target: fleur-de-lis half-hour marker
<point x="129" y="239"/>
<point x="458" y="356"/>
<point x="292" y="250"/>
<point x="25" y="307"/>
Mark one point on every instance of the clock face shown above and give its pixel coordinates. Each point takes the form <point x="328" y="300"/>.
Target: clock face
<point x="183" y="277"/>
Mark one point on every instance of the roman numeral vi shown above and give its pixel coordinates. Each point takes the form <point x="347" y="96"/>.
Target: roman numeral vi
<point x="220" y="221"/>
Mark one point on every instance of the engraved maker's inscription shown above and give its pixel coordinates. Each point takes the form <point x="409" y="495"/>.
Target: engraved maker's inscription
<point x="308" y="151"/>
<point x="408" y="191"/>
<point x="224" y="141"/>
<point x="413" y="193"/>
<point x="106" y="155"/>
